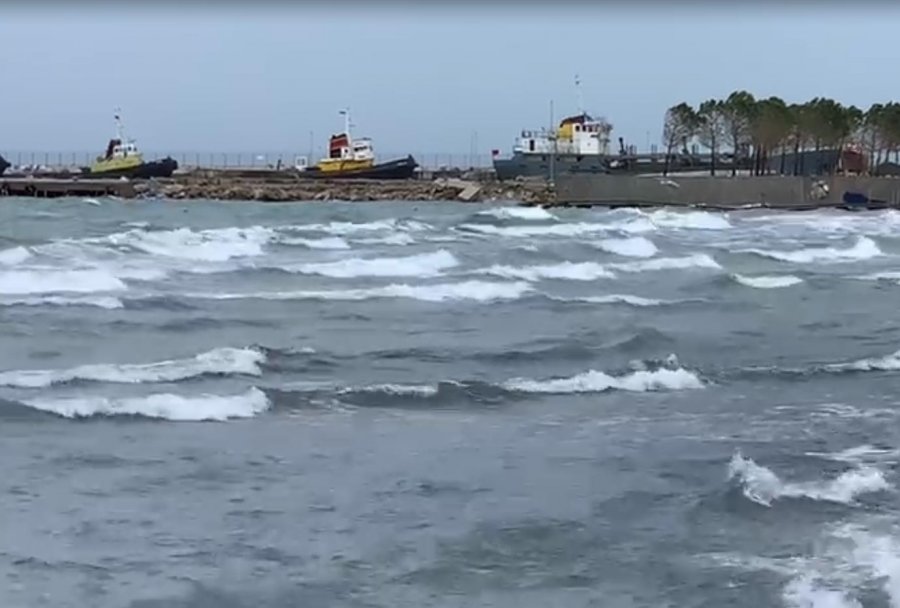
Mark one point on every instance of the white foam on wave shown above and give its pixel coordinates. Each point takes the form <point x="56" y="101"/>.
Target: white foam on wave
<point x="420" y="265"/>
<point x="864" y="249"/>
<point x="889" y="275"/>
<point x="852" y="561"/>
<point x="519" y="213"/>
<point x="860" y="454"/>
<point x="573" y="271"/>
<point x="697" y="260"/>
<point x="478" y="291"/>
<point x="349" y="228"/>
<point x="595" y="382"/>
<point x="877" y="552"/>
<point x="767" y="282"/>
<point x="16" y="255"/>
<point x="166" y="406"/>
<point x="47" y="280"/>
<point x="805" y="592"/>
<point x="887" y="363"/>
<point x="214" y="245"/>
<point x="693" y="220"/>
<point x="333" y="242"/>
<point x="107" y="302"/>
<point x="634" y="247"/>
<point x="563" y="230"/>
<point x="403" y="390"/>
<point x="217" y="361"/>
<point x="398" y="238"/>
<point x="763" y="486"/>
<point x="618" y="299"/>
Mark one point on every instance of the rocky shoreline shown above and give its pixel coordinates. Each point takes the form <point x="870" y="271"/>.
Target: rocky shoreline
<point x="221" y="186"/>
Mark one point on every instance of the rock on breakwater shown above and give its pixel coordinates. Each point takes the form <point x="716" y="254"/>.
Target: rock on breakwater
<point x="221" y="186"/>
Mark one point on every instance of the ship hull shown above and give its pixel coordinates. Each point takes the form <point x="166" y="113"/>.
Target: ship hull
<point x="157" y="168"/>
<point x="521" y="165"/>
<point x="538" y="165"/>
<point x="404" y="168"/>
<point x="4" y="165"/>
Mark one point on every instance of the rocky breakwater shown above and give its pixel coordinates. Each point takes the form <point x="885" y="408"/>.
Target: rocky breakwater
<point x="279" y="188"/>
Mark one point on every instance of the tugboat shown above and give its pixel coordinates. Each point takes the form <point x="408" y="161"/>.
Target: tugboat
<point x="4" y="165"/>
<point x="123" y="159"/>
<point x="355" y="158"/>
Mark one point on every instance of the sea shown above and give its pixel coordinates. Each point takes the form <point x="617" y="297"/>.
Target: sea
<point x="258" y="405"/>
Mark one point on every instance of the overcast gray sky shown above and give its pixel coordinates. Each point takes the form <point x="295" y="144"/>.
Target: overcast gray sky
<point x="224" y="77"/>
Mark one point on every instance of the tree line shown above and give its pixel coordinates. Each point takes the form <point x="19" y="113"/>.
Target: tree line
<point x="756" y="130"/>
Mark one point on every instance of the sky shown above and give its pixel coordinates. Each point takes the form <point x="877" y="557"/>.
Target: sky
<point x="245" y="76"/>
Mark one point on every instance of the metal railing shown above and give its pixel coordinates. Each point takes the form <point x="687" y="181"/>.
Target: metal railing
<point x="244" y="160"/>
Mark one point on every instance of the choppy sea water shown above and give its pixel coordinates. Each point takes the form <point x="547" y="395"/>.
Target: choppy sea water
<point x="263" y="405"/>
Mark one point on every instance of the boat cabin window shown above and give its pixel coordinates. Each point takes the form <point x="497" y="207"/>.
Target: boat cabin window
<point x="531" y="145"/>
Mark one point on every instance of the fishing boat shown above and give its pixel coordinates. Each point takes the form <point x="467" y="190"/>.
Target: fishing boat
<point x="4" y="165"/>
<point x="354" y="158"/>
<point x="123" y="159"/>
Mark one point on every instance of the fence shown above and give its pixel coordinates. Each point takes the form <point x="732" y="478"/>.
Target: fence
<point x="250" y="160"/>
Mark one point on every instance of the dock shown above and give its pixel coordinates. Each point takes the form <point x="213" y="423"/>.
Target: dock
<point x="39" y="187"/>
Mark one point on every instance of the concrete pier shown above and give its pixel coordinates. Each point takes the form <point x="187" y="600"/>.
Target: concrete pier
<point x="56" y="187"/>
<point x="784" y="192"/>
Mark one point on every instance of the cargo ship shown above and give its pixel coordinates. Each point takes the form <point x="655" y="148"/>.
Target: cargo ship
<point x="581" y="144"/>
<point x="354" y="158"/>
<point x="123" y="159"/>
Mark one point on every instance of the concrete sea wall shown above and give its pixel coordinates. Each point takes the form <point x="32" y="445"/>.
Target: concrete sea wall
<point x="725" y="191"/>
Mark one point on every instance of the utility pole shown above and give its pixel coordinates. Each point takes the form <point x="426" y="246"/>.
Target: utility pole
<point x="552" y="149"/>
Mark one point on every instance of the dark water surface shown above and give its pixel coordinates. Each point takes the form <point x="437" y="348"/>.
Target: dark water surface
<point x="397" y="405"/>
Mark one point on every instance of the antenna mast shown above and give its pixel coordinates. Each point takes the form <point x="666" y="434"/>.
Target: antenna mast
<point x="579" y="95"/>
<point x="120" y="131"/>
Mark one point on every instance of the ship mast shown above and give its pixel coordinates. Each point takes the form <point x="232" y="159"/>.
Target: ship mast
<point x="120" y="130"/>
<point x="346" y="113"/>
<point x="579" y="95"/>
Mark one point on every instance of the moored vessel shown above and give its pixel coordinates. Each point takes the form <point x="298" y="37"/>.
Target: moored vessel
<point x="355" y="158"/>
<point x="580" y="144"/>
<point x="122" y="158"/>
<point x="4" y="165"/>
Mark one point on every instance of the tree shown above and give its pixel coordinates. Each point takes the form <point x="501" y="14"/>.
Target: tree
<point x="711" y="128"/>
<point x="679" y="127"/>
<point x="738" y="111"/>
<point x="770" y="129"/>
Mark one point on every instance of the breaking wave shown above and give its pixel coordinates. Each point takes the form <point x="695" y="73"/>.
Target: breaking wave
<point x="635" y="247"/>
<point x="334" y="242"/>
<point x="166" y="406"/>
<point x="36" y="281"/>
<point x="617" y="299"/>
<point x="519" y="213"/>
<point x="595" y="382"/>
<point x="421" y="265"/>
<point x="886" y="363"/>
<point x="697" y="260"/>
<point x="214" y="245"/>
<point x="563" y="230"/>
<point x="767" y="282"/>
<point x="348" y="228"/>
<point x="16" y="255"/>
<point x="216" y="361"/>
<point x="763" y="487"/>
<point x="479" y="291"/>
<point x="696" y="220"/>
<point x="107" y="302"/>
<point x="580" y="271"/>
<point x="864" y="249"/>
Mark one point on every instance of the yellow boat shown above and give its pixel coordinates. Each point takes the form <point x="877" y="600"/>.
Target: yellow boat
<point x="124" y="159"/>
<point x="355" y="158"/>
